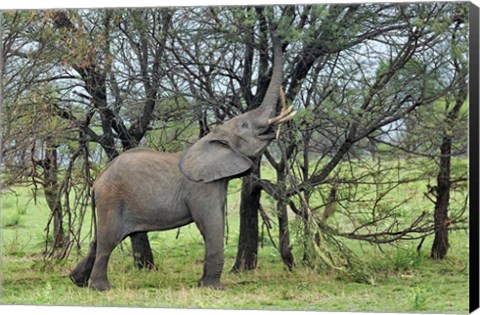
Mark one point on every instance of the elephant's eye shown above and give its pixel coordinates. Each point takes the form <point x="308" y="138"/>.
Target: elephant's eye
<point x="244" y="125"/>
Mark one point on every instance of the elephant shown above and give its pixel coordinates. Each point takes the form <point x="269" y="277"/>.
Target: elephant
<point x="144" y="190"/>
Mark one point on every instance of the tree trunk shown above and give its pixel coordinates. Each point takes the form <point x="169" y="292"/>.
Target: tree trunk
<point x="52" y="194"/>
<point x="307" y="258"/>
<point x="283" y="229"/>
<point x="440" y="242"/>
<point x="249" y="205"/>
<point x="284" y="236"/>
<point x="460" y="91"/>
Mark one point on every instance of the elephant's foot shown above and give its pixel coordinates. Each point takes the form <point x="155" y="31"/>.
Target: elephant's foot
<point x="79" y="278"/>
<point x="211" y="283"/>
<point x="100" y="285"/>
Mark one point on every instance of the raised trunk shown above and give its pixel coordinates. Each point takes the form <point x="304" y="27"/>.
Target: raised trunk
<point x="268" y="107"/>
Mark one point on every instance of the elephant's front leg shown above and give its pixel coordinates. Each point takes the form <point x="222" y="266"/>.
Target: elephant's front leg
<point x="212" y="230"/>
<point x="213" y="265"/>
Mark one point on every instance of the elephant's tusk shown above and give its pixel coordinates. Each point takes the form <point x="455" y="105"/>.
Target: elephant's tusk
<point x="286" y="118"/>
<point x="283" y="116"/>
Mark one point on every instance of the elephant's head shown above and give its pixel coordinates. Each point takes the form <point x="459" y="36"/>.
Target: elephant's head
<point x="227" y="151"/>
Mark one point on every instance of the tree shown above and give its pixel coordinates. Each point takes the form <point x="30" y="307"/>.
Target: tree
<point x="362" y="77"/>
<point x="359" y="104"/>
<point x="453" y="105"/>
<point x="77" y="52"/>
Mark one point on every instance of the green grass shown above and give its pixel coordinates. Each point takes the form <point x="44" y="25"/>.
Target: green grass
<point x="400" y="279"/>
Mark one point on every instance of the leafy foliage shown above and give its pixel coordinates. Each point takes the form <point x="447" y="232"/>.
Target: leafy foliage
<point x="375" y="86"/>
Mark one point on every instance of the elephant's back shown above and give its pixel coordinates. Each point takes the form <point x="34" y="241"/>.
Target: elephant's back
<point x="140" y="168"/>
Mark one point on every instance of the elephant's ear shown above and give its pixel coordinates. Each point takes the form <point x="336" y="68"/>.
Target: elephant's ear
<point x="212" y="159"/>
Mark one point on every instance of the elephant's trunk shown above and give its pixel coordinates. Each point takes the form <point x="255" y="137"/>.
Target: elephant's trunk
<point x="268" y="107"/>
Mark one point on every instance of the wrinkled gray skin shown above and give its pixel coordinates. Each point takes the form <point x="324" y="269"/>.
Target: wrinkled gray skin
<point x="144" y="190"/>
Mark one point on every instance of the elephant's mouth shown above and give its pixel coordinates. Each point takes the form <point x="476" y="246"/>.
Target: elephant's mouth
<point x="267" y="134"/>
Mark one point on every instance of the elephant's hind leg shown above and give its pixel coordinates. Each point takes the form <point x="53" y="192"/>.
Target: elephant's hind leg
<point x="82" y="271"/>
<point x="109" y="235"/>
<point x="99" y="279"/>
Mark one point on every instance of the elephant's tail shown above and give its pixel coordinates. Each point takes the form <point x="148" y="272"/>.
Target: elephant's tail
<point x="94" y="217"/>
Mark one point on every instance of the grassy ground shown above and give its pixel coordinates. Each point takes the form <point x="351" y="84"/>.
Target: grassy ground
<point x="401" y="280"/>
